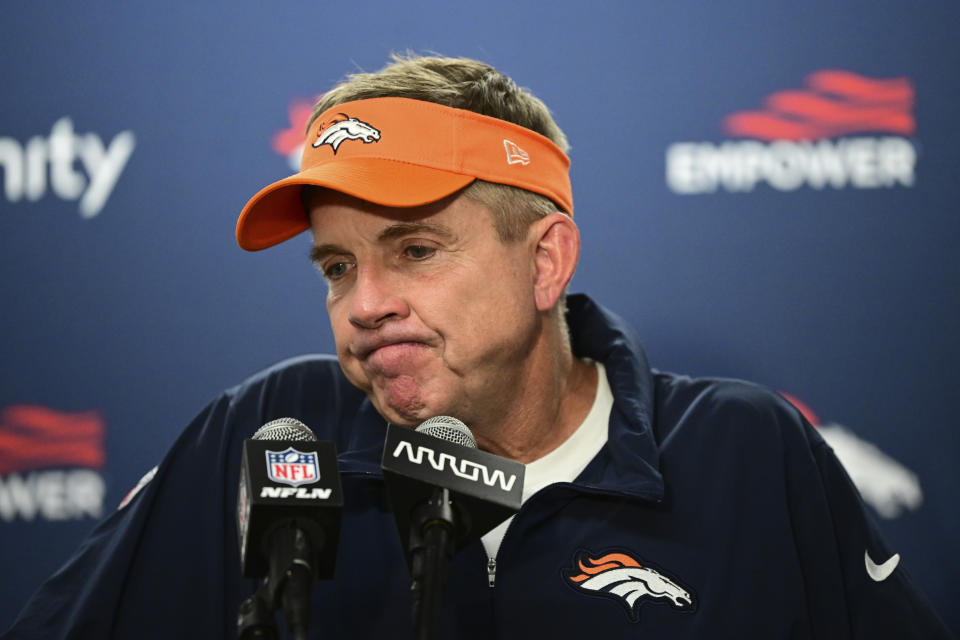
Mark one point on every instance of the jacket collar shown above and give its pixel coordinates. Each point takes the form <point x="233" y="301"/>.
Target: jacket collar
<point x="628" y="463"/>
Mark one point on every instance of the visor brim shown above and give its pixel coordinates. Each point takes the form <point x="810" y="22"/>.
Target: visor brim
<point x="276" y="212"/>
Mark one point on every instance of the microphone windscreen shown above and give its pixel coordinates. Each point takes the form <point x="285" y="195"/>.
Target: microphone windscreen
<point x="449" y="429"/>
<point x="285" y="429"/>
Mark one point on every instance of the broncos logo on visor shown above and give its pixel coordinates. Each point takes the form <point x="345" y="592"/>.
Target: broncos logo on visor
<point x="348" y="128"/>
<point x="621" y="577"/>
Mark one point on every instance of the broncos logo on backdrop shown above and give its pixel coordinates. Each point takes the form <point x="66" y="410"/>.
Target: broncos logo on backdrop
<point x="338" y="130"/>
<point x="621" y="577"/>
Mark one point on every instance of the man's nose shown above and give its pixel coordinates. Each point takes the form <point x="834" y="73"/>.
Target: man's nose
<point x="375" y="300"/>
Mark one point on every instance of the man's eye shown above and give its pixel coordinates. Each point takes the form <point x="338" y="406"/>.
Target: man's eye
<point x="418" y="251"/>
<point x="336" y="270"/>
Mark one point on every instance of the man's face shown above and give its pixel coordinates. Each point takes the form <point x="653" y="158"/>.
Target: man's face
<point x="432" y="314"/>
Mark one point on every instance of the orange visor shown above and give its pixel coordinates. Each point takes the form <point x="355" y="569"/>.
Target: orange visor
<point x="400" y="152"/>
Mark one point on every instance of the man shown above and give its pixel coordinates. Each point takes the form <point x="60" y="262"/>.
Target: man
<point x="655" y="505"/>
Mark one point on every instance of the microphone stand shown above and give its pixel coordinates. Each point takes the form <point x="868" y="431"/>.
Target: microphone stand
<point x="431" y="547"/>
<point x="255" y="620"/>
<point x="288" y="583"/>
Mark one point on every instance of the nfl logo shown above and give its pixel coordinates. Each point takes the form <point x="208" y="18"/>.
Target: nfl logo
<point x="293" y="467"/>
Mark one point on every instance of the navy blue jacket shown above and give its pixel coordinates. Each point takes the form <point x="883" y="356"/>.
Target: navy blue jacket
<point x="714" y="511"/>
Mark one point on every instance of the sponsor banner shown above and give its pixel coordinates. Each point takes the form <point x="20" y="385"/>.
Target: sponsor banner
<point x="70" y="165"/>
<point x="49" y="462"/>
<point x="842" y="130"/>
<point x="289" y="142"/>
<point x="883" y="482"/>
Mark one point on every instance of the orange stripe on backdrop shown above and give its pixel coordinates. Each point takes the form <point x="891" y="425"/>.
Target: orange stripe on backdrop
<point x="772" y="126"/>
<point x="836" y="103"/>
<point x="803" y="408"/>
<point x="33" y="437"/>
<point x="829" y="112"/>
<point x="289" y="140"/>
<point x="765" y="126"/>
<point x="862" y="88"/>
<point x="19" y="456"/>
<point x="50" y="422"/>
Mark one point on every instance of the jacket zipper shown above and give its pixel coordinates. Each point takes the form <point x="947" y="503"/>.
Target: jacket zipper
<point x="492" y="562"/>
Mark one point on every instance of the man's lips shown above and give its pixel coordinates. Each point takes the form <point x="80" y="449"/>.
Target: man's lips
<point x="395" y="359"/>
<point x="363" y="349"/>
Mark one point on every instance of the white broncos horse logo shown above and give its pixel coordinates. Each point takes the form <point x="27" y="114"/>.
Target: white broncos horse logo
<point x="620" y="576"/>
<point x="347" y="129"/>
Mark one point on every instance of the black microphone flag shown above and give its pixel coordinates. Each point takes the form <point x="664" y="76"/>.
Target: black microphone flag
<point x="485" y="489"/>
<point x="288" y="477"/>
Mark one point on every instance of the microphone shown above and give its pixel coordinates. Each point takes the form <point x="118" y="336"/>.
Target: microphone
<point x="445" y="494"/>
<point x="288" y="520"/>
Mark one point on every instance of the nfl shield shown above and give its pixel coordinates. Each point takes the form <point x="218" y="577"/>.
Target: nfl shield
<point x="293" y="467"/>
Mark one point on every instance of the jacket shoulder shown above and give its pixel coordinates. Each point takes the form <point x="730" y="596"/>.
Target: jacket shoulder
<point x="727" y="409"/>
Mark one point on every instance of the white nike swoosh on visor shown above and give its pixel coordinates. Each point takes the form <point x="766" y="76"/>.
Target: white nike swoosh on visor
<point x="880" y="572"/>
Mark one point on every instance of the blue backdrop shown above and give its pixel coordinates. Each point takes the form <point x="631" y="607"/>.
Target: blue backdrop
<point x="806" y="243"/>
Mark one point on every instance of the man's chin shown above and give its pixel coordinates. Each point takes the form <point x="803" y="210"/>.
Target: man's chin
<point x="403" y="417"/>
<point x="400" y="402"/>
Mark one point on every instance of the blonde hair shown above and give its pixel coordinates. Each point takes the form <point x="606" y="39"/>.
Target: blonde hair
<point x="463" y="83"/>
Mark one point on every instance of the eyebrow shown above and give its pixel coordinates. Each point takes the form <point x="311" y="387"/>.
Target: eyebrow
<point x="401" y="229"/>
<point x="398" y="230"/>
<point x="319" y="252"/>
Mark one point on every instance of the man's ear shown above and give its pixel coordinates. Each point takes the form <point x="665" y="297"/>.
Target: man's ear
<point x="556" y="241"/>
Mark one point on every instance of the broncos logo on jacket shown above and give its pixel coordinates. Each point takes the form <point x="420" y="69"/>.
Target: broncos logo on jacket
<point x="348" y="128"/>
<point x="621" y="577"/>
